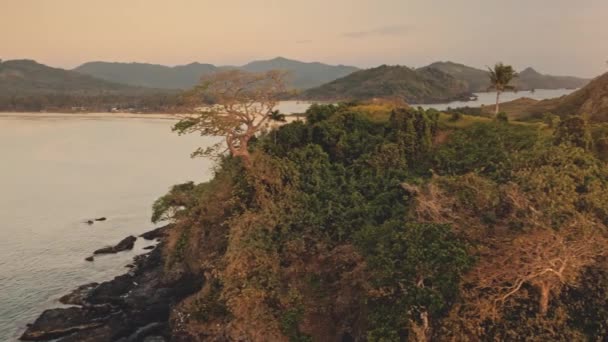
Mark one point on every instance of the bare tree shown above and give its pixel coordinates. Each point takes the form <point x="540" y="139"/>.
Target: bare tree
<point x="235" y="105"/>
<point x="544" y="259"/>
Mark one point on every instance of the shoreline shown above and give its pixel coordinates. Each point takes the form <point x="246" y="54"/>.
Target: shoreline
<point x="132" y="306"/>
<point x="51" y="115"/>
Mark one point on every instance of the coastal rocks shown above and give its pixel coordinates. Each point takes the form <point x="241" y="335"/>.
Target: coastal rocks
<point x="78" y="296"/>
<point x="56" y="323"/>
<point x="91" y="258"/>
<point x="132" y="307"/>
<point x="126" y="244"/>
<point x="99" y="219"/>
<point x="156" y="233"/>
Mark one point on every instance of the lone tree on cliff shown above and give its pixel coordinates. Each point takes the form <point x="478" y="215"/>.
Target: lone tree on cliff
<point x="235" y="105"/>
<point x="500" y="77"/>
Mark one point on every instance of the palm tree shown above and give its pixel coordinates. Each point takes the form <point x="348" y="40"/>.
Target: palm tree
<point x="500" y="77"/>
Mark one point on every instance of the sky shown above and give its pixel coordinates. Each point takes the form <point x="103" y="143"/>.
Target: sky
<point x="561" y="37"/>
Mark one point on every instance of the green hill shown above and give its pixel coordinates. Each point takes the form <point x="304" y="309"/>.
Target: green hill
<point x="394" y="82"/>
<point x="528" y="79"/>
<point x="148" y="75"/>
<point x="27" y="77"/>
<point x="303" y="75"/>
<point x="475" y="79"/>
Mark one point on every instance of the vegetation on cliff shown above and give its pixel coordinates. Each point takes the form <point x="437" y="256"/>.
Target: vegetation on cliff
<point x="415" y="225"/>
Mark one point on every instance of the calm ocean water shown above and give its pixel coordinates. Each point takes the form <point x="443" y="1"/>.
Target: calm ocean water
<point x="57" y="172"/>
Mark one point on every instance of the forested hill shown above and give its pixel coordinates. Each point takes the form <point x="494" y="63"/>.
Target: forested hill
<point x="477" y="80"/>
<point x="395" y="82"/>
<point x="27" y="77"/>
<point x="303" y="75"/>
<point x="397" y="225"/>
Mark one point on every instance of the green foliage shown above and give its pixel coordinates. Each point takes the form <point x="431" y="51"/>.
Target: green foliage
<point x="324" y="219"/>
<point x="574" y="130"/>
<point x="455" y="116"/>
<point x="413" y="131"/>
<point x="180" y="200"/>
<point x="484" y="148"/>
<point x="501" y="76"/>
<point x="502" y="117"/>
<point x="551" y="120"/>
<point x="587" y="303"/>
<point x="417" y="268"/>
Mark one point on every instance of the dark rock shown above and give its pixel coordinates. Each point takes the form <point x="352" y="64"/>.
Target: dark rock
<point x="130" y="266"/>
<point x="91" y="258"/>
<point x="78" y="296"/>
<point x="112" y="291"/>
<point x="150" y="329"/>
<point x="101" y="219"/>
<point x="156" y="233"/>
<point x="133" y="307"/>
<point x="149" y="247"/>
<point x="57" y="323"/>
<point x="89" y="222"/>
<point x="116" y="327"/>
<point x="126" y="244"/>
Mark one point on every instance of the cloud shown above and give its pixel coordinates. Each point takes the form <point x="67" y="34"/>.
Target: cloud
<point x="392" y="30"/>
<point x="304" y="41"/>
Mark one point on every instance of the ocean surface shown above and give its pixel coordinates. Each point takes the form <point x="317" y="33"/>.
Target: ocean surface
<point x="488" y="99"/>
<point x="57" y="172"/>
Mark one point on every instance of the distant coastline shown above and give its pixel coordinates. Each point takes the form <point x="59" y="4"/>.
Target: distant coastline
<point x="126" y="115"/>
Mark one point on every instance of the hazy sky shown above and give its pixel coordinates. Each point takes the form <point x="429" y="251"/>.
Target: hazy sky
<point x="554" y="36"/>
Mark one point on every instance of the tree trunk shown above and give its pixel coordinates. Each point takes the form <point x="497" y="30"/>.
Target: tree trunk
<point x="497" y="103"/>
<point x="544" y="300"/>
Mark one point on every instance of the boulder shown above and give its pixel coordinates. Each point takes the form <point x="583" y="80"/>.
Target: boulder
<point x="156" y="233"/>
<point x="79" y="295"/>
<point x="56" y="323"/>
<point x="126" y="244"/>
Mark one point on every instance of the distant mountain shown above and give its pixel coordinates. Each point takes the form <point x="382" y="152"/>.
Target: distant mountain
<point x="532" y="79"/>
<point x="148" y="75"/>
<point x="27" y="77"/>
<point x="303" y="75"/>
<point x="528" y="79"/>
<point x="428" y="85"/>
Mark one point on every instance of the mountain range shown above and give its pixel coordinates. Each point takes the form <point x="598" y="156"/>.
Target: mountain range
<point x="528" y="79"/>
<point x="438" y="82"/>
<point x="27" y="77"/>
<point x="302" y="75"/>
